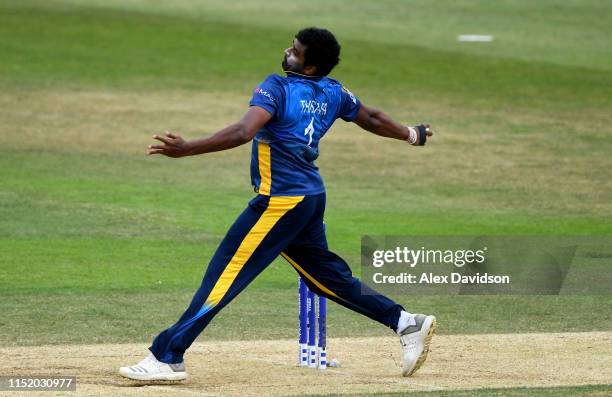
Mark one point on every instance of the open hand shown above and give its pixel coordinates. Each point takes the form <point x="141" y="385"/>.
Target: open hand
<point x="173" y="146"/>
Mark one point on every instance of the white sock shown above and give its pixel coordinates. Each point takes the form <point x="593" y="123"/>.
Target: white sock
<point x="405" y="320"/>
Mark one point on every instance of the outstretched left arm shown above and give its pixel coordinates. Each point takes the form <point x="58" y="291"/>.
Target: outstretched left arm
<point x="377" y="122"/>
<point x="231" y="136"/>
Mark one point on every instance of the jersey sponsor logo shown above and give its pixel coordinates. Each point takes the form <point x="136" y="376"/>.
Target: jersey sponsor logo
<point x="314" y="107"/>
<point x="350" y="94"/>
<point x="265" y="93"/>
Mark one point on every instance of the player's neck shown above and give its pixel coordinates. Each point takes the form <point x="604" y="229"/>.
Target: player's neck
<point x="296" y="74"/>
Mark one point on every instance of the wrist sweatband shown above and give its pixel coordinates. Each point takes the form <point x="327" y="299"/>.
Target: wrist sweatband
<point x="412" y="135"/>
<point x="422" y="134"/>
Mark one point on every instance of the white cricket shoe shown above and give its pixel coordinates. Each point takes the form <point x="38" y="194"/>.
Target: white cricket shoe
<point x="152" y="369"/>
<point x="415" y="340"/>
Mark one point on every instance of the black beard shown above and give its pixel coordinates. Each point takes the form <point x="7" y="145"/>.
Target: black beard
<point x="288" y="68"/>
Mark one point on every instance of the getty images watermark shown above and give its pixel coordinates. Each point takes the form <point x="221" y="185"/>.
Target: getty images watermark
<point x="538" y="265"/>
<point x="422" y="256"/>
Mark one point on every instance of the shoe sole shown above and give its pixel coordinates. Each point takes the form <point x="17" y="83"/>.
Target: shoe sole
<point x="159" y="377"/>
<point x="427" y="343"/>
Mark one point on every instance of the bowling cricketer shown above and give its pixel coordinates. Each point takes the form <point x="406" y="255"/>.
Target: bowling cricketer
<point x="287" y="118"/>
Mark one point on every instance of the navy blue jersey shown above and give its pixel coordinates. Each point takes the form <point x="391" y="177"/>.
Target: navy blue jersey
<point x="303" y="108"/>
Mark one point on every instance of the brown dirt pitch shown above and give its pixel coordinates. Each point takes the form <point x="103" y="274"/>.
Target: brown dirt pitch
<point x="368" y="365"/>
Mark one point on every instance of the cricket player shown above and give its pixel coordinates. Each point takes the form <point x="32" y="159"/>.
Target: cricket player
<point x="287" y="117"/>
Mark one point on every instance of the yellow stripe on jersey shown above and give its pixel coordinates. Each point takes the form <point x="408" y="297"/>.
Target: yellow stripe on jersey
<point x="308" y="276"/>
<point x="265" y="168"/>
<point x="277" y="207"/>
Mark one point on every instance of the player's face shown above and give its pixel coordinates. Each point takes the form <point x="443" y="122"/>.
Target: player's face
<point x="294" y="57"/>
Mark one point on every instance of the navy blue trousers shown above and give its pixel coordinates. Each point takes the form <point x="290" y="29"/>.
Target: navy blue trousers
<point x="270" y="226"/>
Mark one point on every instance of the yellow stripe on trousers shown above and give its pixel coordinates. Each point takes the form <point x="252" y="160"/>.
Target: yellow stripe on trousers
<point x="265" y="168"/>
<point x="308" y="276"/>
<point x="277" y="207"/>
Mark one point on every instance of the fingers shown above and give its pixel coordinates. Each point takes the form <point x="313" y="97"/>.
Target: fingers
<point x="157" y="149"/>
<point x="428" y="130"/>
<point x="166" y="140"/>
<point x="169" y="141"/>
<point x="170" y="138"/>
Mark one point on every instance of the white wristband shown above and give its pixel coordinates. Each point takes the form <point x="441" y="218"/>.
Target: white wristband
<point x="412" y="137"/>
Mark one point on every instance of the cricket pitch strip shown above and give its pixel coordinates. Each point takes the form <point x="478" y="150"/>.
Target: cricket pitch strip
<point x="368" y="365"/>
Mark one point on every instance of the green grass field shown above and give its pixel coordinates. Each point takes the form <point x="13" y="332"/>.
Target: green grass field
<point x="516" y="392"/>
<point x="101" y="243"/>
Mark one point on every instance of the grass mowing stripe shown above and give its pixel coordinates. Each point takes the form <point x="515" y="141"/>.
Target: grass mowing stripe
<point x="564" y="32"/>
<point x="569" y="391"/>
<point x="69" y="46"/>
<point x="138" y="315"/>
<point x="92" y="220"/>
<point x="86" y="265"/>
<point x="76" y="46"/>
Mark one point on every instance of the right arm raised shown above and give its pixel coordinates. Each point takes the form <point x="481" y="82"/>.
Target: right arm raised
<point x="377" y="122"/>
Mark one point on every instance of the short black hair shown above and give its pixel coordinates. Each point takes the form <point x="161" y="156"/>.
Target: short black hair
<point x="322" y="49"/>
